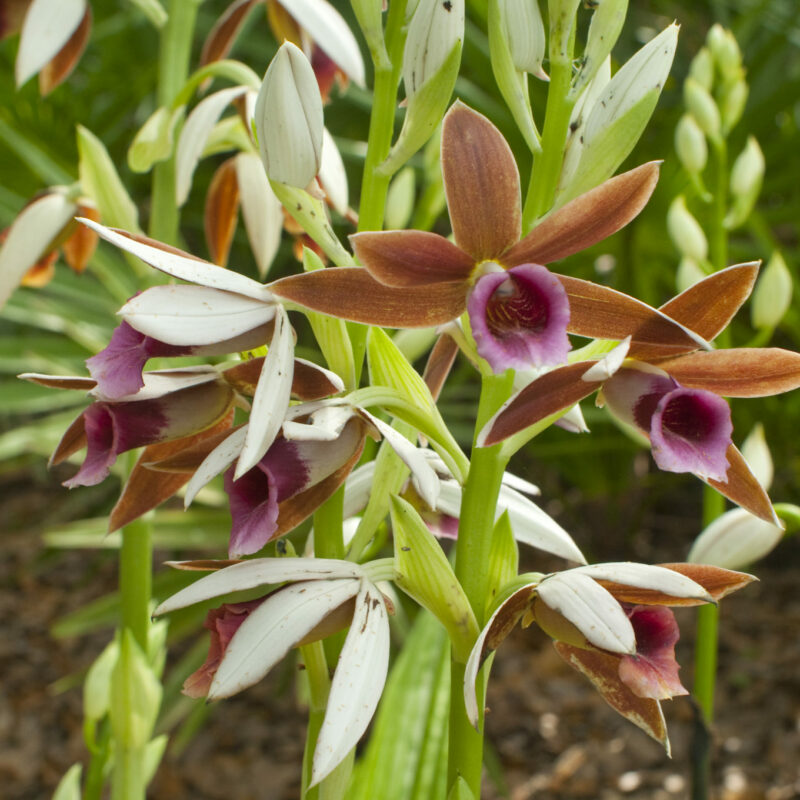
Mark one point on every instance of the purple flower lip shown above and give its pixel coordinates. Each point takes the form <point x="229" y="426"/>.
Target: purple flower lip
<point x="519" y="318"/>
<point x="690" y="432"/>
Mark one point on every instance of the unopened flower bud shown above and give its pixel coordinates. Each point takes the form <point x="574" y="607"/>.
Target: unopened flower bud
<point x="690" y="144"/>
<point x="400" y="199"/>
<point x="735" y="540"/>
<point x="689" y="273"/>
<point x="524" y="27"/>
<point x="685" y="231"/>
<point x="772" y="295"/>
<point x="725" y="50"/>
<point x="604" y="29"/>
<point x="702" y="68"/>
<point x="430" y="66"/>
<point x="289" y="120"/>
<point x="97" y="685"/>
<point x="747" y="175"/>
<point x="756" y="453"/>
<point x="135" y="695"/>
<point x="732" y="102"/>
<point x="702" y="106"/>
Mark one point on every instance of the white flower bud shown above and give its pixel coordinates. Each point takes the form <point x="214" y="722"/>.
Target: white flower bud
<point x="690" y="144"/>
<point x="756" y="453"/>
<point x="97" y="685"/>
<point x="734" y="540"/>
<point x="685" y="231"/>
<point x="702" y="106"/>
<point x="400" y="199"/>
<point x="522" y="20"/>
<point x="747" y="175"/>
<point x="772" y="295"/>
<point x="732" y="102"/>
<point x="289" y="119"/>
<point x="604" y="29"/>
<point x="435" y="30"/>
<point x="702" y="68"/>
<point x="725" y="50"/>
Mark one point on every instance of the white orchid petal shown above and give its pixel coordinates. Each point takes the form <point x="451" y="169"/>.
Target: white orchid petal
<point x="218" y="460"/>
<point x="29" y="237"/>
<point x="272" y="395"/>
<point x="261" y="209"/>
<point x="609" y="364"/>
<point x="258" y="572"/>
<point x="591" y="608"/>
<point x="573" y="421"/>
<point x="192" y="316"/>
<point x="534" y="527"/>
<point x="48" y="26"/>
<point x="325" y="425"/>
<point x="326" y="26"/>
<point x="274" y="628"/>
<point x="422" y="473"/>
<point x="337" y="382"/>
<point x="520" y="484"/>
<point x="646" y="576"/>
<point x="194" y="136"/>
<point x="332" y="174"/>
<point x="735" y="540"/>
<point x="193" y="270"/>
<point x="357" y="684"/>
<point x="157" y="384"/>
<point x="474" y="661"/>
<point x="358" y="488"/>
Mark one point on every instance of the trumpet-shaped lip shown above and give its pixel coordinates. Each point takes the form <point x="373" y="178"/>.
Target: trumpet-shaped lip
<point x="652" y="671"/>
<point x="690" y="431"/>
<point x="519" y="318"/>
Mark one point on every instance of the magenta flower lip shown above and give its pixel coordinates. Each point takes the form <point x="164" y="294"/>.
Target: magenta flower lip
<point x="519" y="318"/>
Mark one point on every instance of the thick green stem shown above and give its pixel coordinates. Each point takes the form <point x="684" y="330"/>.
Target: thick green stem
<point x="319" y="685"/>
<point x="547" y="165"/>
<point x="719" y="233"/>
<point x="173" y="70"/>
<point x="135" y="579"/>
<point x="472" y="558"/>
<point x="127" y="782"/>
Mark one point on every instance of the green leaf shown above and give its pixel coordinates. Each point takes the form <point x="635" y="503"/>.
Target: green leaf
<point x="503" y="559"/>
<point x="100" y="180"/>
<point x="155" y="139"/>
<point x="424" y="573"/>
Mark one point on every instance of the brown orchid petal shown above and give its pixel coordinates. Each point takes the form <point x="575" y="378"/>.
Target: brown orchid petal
<point x="59" y="382"/>
<point x="293" y="511"/>
<point x="706" y="307"/>
<point x="587" y="219"/>
<point x="74" y="439"/>
<point x="219" y="41"/>
<point x="145" y="488"/>
<point x="12" y="14"/>
<point x="339" y="619"/>
<point x="352" y="293"/>
<point x="61" y="65"/>
<point x="718" y="582"/>
<point x="505" y="619"/>
<point x="42" y="272"/>
<point x="743" y="488"/>
<point x="602" y="313"/>
<point x="188" y="459"/>
<point x="481" y="183"/>
<point x="308" y="381"/>
<point x="82" y="242"/>
<point x="737" y="372"/>
<point x="549" y="393"/>
<point x="411" y="258"/>
<point x="440" y="362"/>
<point x="602" y="669"/>
<point x="282" y="24"/>
<point x="204" y="564"/>
<point x="222" y="211"/>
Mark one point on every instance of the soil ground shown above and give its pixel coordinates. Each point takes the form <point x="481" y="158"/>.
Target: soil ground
<point x="553" y="735"/>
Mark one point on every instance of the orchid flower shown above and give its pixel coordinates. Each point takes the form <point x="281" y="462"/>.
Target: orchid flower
<point x="29" y="248"/>
<point x="319" y="444"/>
<point x="315" y="26"/>
<point x="609" y="621"/>
<point x="53" y="35"/>
<point x="672" y="395"/>
<point x="519" y="313"/>
<point x="320" y="597"/>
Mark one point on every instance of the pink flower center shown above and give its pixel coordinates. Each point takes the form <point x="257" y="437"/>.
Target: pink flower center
<point x="515" y="307"/>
